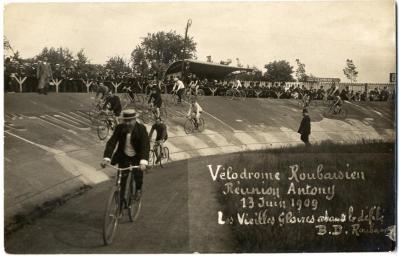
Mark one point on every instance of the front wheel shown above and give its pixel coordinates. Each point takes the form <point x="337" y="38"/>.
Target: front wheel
<point x="152" y="157"/>
<point x="201" y="125"/>
<point x="342" y="113"/>
<point x="134" y="205"/>
<point x="102" y="129"/>
<point x="189" y="126"/>
<point x="111" y="216"/>
<point x="165" y="156"/>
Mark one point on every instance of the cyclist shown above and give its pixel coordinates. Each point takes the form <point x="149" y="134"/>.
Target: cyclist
<point x="113" y="103"/>
<point x="162" y="136"/>
<point x="337" y="104"/>
<point x="128" y="89"/>
<point x="155" y="100"/>
<point x="178" y="88"/>
<point x="193" y="87"/>
<point x="103" y="90"/>
<point x="132" y="144"/>
<point x="194" y="111"/>
<point x="236" y="85"/>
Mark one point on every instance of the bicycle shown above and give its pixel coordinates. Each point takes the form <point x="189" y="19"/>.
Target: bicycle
<point x="199" y="94"/>
<point x="235" y="93"/>
<point x="190" y="125"/>
<point x="332" y="111"/>
<point x="127" y="99"/>
<point x="163" y="158"/>
<point x="105" y="124"/>
<point x="175" y="97"/>
<point x="115" y="206"/>
<point x="150" y="114"/>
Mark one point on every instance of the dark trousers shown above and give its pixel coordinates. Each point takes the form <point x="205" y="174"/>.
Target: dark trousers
<point x="179" y="94"/>
<point x="305" y="139"/>
<point x="126" y="161"/>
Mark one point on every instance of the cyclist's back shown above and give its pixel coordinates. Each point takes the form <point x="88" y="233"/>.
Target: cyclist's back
<point x="102" y="89"/>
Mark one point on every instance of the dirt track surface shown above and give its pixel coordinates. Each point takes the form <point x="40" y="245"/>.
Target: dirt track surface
<point x="178" y="215"/>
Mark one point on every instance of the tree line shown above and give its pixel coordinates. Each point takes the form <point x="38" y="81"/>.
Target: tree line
<point x="149" y="59"/>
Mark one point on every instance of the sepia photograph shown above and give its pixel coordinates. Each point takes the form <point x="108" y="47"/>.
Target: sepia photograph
<point x="199" y="127"/>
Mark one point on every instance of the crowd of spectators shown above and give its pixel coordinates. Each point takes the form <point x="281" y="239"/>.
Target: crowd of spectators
<point x="74" y="81"/>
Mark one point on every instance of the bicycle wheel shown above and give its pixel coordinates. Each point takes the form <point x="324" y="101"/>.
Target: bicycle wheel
<point x="138" y="99"/>
<point x="165" y="156"/>
<point x="201" y="125"/>
<point x="342" y="113"/>
<point x="189" y="126"/>
<point x="146" y="116"/>
<point x="134" y="206"/>
<point x="243" y="95"/>
<point x="200" y="94"/>
<point x="152" y="158"/>
<point x="164" y="113"/>
<point x="111" y="216"/>
<point x="102" y="129"/>
<point x="328" y="112"/>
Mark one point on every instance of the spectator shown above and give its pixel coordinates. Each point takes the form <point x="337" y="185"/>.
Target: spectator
<point x="304" y="128"/>
<point x="44" y="75"/>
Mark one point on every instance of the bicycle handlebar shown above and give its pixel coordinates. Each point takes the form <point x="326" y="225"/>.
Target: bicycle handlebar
<point x="124" y="169"/>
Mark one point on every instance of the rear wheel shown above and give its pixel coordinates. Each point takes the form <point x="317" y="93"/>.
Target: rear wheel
<point x="134" y="206"/>
<point x="111" y="216"/>
<point x="102" y="129"/>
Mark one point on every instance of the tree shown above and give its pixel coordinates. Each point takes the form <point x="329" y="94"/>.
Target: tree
<point x="350" y="71"/>
<point x="158" y="50"/>
<point x="279" y="71"/>
<point x="300" y="72"/>
<point x="117" y="69"/>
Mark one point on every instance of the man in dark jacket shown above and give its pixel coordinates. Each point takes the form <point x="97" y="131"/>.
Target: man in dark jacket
<point x="304" y="128"/>
<point x="133" y="146"/>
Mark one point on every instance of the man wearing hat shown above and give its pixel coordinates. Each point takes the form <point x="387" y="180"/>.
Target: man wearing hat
<point x="304" y="128"/>
<point x="133" y="146"/>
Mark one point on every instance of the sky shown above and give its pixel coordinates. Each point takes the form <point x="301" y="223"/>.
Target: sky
<point x="321" y="34"/>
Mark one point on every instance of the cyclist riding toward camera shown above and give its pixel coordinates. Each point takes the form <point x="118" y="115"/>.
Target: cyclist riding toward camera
<point x="194" y="111"/>
<point x="113" y="103"/>
<point x="337" y="104"/>
<point x="131" y="141"/>
<point x="101" y="90"/>
<point x="155" y="100"/>
<point x="193" y="87"/>
<point x="162" y="136"/>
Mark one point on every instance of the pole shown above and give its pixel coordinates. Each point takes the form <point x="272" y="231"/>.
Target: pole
<point x="184" y="47"/>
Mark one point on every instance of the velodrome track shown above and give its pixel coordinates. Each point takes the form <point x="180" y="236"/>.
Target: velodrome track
<point x="51" y="150"/>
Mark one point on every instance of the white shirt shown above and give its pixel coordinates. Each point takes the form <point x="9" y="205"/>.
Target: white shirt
<point x="195" y="109"/>
<point x="179" y="84"/>
<point x="129" y="150"/>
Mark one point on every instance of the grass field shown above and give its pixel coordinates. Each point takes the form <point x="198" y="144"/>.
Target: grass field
<point x="290" y="227"/>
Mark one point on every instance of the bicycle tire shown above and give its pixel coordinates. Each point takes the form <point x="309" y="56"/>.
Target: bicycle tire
<point x="201" y="125"/>
<point x="188" y="126"/>
<point x="134" y="206"/>
<point x="200" y="94"/>
<point x="109" y="228"/>
<point x="165" y="157"/>
<point x="342" y="113"/>
<point x="151" y="159"/>
<point x="145" y="116"/>
<point x="243" y="95"/>
<point x="102" y="129"/>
